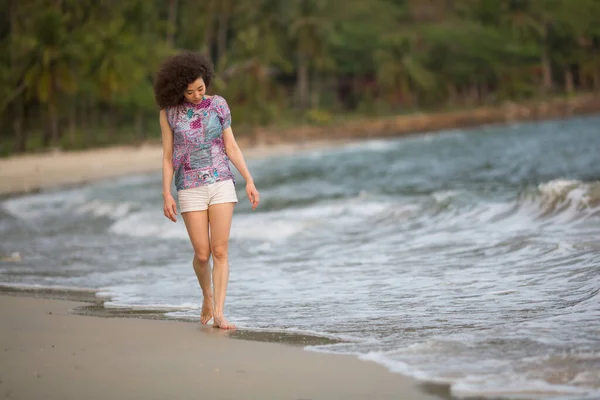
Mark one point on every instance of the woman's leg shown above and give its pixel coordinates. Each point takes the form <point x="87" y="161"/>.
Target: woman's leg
<point x="196" y="223"/>
<point x="219" y="216"/>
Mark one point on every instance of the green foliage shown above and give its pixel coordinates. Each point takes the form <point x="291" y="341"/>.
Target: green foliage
<point x="78" y="73"/>
<point x="318" y="117"/>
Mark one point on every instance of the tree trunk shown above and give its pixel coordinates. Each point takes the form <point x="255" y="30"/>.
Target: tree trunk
<point x="547" y="72"/>
<point x="84" y="115"/>
<point x="139" y="126"/>
<point x="20" y="144"/>
<point x="94" y="118"/>
<point x="315" y="97"/>
<point x="569" y="87"/>
<point x="110" y="126"/>
<point x="73" y="122"/>
<point x="222" y="34"/>
<point x="302" y="80"/>
<point x="452" y="94"/>
<point x="172" y="23"/>
<point x="208" y="30"/>
<point x="13" y="7"/>
<point x="483" y="92"/>
<point x="546" y="63"/>
<point x="473" y="94"/>
<point x="46" y="136"/>
<point x="53" y="120"/>
<point x="467" y="95"/>
<point x="52" y="132"/>
<point x="406" y="96"/>
<point x="596" y="78"/>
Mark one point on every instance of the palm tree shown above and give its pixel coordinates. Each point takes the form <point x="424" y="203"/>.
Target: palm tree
<point x="400" y="69"/>
<point x="48" y="73"/>
<point x="532" y="21"/>
<point x="308" y="30"/>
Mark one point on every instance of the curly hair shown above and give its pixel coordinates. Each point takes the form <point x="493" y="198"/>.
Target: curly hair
<point x="176" y="73"/>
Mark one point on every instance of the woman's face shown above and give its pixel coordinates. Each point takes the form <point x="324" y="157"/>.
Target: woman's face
<point x="195" y="91"/>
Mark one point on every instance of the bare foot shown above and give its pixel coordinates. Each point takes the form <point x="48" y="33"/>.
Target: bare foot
<point x="222" y="323"/>
<point x="206" y="314"/>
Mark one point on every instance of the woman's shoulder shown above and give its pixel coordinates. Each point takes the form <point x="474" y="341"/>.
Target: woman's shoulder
<point x="220" y="106"/>
<point x="218" y="99"/>
<point x="172" y="113"/>
<point x="171" y="109"/>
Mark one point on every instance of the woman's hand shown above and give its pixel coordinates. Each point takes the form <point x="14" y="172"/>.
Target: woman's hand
<point x="170" y="208"/>
<point x="253" y="194"/>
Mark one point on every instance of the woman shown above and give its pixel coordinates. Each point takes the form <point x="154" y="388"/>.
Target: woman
<point x="198" y="144"/>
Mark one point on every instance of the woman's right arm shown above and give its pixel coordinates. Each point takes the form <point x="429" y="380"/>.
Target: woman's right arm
<point x="170" y="207"/>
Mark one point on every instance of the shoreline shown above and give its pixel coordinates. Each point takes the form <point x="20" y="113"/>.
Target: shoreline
<point x="423" y="122"/>
<point x="30" y="173"/>
<point x="33" y="172"/>
<point x="80" y="303"/>
<point x="278" y="364"/>
<point x="93" y="306"/>
<point x="50" y="352"/>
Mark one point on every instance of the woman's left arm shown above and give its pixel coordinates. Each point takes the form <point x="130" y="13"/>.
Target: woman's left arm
<point x="237" y="158"/>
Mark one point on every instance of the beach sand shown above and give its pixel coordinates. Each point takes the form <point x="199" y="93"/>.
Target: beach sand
<point x="47" y="352"/>
<point x="32" y="172"/>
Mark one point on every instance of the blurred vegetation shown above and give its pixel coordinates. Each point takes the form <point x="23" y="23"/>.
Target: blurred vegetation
<point x="78" y="73"/>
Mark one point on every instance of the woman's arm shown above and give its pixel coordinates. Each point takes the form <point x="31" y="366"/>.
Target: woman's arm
<point x="235" y="154"/>
<point x="237" y="158"/>
<point x="170" y="207"/>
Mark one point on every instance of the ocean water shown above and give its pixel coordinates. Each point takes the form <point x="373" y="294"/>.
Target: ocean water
<point x="470" y="258"/>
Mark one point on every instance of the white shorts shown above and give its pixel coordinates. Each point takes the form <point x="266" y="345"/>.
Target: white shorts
<point x="199" y="198"/>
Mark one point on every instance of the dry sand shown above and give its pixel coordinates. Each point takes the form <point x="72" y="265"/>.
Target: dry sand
<point x="46" y="352"/>
<point x="32" y="172"/>
<point x="49" y="353"/>
<point x="28" y="173"/>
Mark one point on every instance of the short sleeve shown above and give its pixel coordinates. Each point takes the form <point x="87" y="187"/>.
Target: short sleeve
<point x="171" y="113"/>
<point x="223" y="112"/>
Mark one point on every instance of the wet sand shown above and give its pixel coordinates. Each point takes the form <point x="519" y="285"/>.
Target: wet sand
<point x="47" y="352"/>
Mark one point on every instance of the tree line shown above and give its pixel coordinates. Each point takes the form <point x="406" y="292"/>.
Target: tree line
<point x="78" y="73"/>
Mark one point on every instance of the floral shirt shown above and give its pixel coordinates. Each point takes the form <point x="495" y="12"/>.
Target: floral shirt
<point x="199" y="156"/>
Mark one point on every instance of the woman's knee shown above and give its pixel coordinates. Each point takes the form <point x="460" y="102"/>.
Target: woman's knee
<point x="203" y="256"/>
<point x="219" y="252"/>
